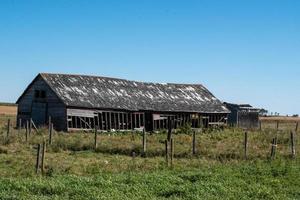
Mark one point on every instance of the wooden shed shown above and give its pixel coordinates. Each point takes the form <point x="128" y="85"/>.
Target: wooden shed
<point x="81" y="102"/>
<point x="243" y="115"/>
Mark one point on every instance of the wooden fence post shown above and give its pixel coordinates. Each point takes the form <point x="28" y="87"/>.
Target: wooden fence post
<point x="133" y="155"/>
<point x="260" y="128"/>
<point x="8" y="128"/>
<point x="273" y="149"/>
<point x="43" y="157"/>
<point x="169" y="129"/>
<point x="49" y="122"/>
<point x="37" y="158"/>
<point x="277" y="125"/>
<point x="245" y="144"/>
<point x="194" y="143"/>
<point x="293" y="145"/>
<point x="95" y="139"/>
<point x="172" y="150"/>
<point x="166" y="151"/>
<point x="50" y="133"/>
<point x="144" y="142"/>
<point x="26" y="133"/>
<point x="296" y="129"/>
<point x="30" y="126"/>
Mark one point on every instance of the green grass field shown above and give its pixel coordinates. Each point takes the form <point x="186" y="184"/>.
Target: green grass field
<point x="74" y="170"/>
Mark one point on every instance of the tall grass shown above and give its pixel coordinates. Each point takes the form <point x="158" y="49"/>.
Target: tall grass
<point x="75" y="170"/>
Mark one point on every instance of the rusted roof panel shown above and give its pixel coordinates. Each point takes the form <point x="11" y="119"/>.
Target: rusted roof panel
<point x="111" y="93"/>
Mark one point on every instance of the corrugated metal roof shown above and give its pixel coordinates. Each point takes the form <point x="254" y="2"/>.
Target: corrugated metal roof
<point x="112" y="93"/>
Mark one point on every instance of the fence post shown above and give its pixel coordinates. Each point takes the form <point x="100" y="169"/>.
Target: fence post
<point x="30" y="126"/>
<point x="273" y="149"/>
<point x="49" y="122"/>
<point x="26" y="133"/>
<point x="293" y="145"/>
<point x="43" y="157"/>
<point x="133" y="155"/>
<point x="166" y="151"/>
<point x="95" y="139"/>
<point x="8" y="128"/>
<point x="296" y="129"/>
<point x="172" y="150"/>
<point x="260" y="128"/>
<point x="50" y="133"/>
<point x="144" y="142"/>
<point x="277" y="125"/>
<point x="37" y="158"/>
<point x="169" y="129"/>
<point x="194" y="143"/>
<point x="245" y="144"/>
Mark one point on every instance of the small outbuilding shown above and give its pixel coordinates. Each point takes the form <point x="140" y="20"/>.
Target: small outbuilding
<point x="81" y="102"/>
<point x="243" y="115"/>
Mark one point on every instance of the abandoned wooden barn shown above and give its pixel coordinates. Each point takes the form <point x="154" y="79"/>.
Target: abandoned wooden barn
<point x="80" y="102"/>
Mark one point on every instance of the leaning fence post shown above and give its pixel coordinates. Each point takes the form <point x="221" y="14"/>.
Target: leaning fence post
<point x="144" y="142"/>
<point x="166" y="152"/>
<point x="194" y="143"/>
<point x="245" y="144"/>
<point x="37" y="158"/>
<point x="43" y="157"/>
<point x="293" y="145"/>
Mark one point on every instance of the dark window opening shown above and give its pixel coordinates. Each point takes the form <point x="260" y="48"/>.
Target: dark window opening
<point x="43" y="94"/>
<point x="36" y="93"/>
<point x="40" y="94"/>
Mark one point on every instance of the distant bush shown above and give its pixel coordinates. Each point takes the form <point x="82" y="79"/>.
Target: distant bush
<point x="7" y="104"/>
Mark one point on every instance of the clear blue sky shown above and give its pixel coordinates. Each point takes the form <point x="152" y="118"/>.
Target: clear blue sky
<point x="243" y="51"/>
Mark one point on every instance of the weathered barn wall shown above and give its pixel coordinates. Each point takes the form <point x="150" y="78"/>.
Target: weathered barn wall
<point x="248" y="119"/>
<point x="40" y="108"/>
<point x="106" y="120"/>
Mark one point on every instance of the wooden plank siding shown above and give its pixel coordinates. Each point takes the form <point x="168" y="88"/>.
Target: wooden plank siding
<point x="54" y="106"/>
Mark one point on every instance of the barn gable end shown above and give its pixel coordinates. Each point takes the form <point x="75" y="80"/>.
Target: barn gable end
<point x="38" y="102"/>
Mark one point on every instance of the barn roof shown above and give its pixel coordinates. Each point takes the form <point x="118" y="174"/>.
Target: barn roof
<point x="111" y="93"/>
<point x="239" y="107"/>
